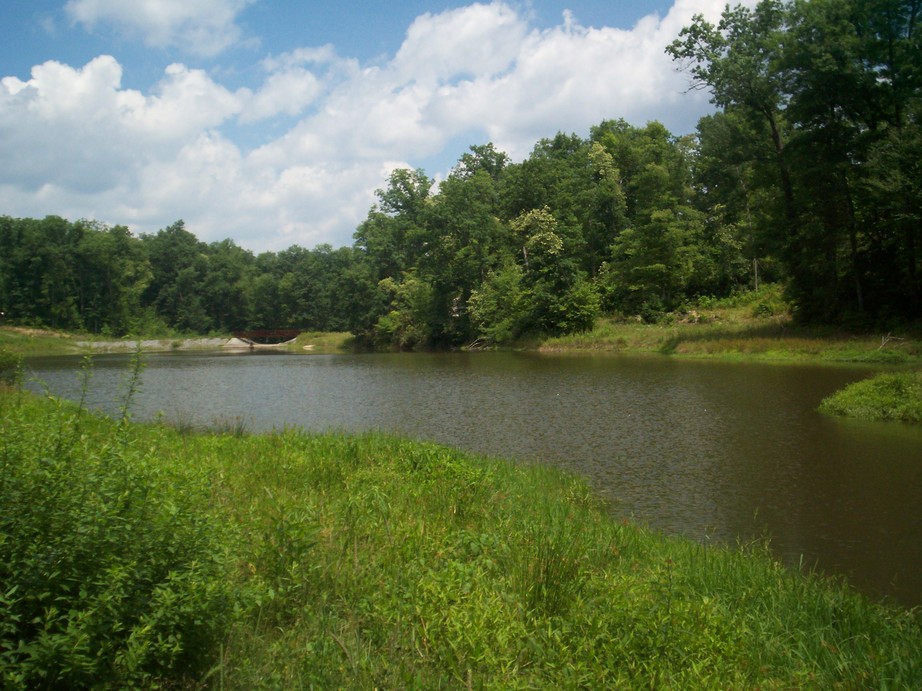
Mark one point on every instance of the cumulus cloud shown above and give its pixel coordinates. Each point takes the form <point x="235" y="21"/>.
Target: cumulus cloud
<point x="76" y="142"/>
<point x="198" y="27"/>
<point x="478" y="41"/>
<point x="570" y="77"/>
<point x="76" y="128"/>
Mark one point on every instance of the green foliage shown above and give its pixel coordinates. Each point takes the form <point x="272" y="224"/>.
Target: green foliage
<point x="112" y="571"/>
<point x="895" y="397"/>
<point x="497" y="307"/>
<point x="810" y="157"/>
<point x="10" y="368"/>
<point x="86" y="276"/>
<point x="410" y="302"/>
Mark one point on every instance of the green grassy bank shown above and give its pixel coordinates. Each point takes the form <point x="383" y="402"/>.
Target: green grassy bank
<point x="749" y="326"/>
<point x="28" y="341"/>
<point x="138" y="555"/>
<point x="891" y="396"/>
<point x="320" y="342"/>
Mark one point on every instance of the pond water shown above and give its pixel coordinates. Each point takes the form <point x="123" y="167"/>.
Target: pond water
<point x="713" y="451"/>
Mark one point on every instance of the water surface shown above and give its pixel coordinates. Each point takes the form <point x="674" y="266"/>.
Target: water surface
<point x="709" y="450"/>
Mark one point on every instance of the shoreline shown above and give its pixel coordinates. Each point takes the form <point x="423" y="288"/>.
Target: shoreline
<point x="149" y="345"/>
<point x="171" y="344"/>
<point x="727" y="340"/>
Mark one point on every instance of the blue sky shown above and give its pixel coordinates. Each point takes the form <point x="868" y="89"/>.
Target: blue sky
<point x="272" y="122"/>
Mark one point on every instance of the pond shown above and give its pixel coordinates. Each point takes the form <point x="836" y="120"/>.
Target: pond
<point x="714" y="451"/>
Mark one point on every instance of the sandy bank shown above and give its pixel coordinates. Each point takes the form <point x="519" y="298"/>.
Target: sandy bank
<point x="154" y="344"/>
<point x="169" y="344"/>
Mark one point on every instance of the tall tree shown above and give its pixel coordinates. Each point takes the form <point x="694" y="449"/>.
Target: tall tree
<point x="178" y="263"/>
<point x="228" y="270"/>
<point x="738" y="62"/>
<point x="112" y="273"/>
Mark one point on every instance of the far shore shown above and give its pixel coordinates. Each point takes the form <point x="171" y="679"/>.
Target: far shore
<point x="171" y="344"/>
<point x="148" y="345"/>
<point x="723" y="333"/>
<point x="36" y="342"/>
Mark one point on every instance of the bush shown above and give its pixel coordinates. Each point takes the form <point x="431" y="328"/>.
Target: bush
<point x="111" y="572"/>
<point x="10" y="368"/>
<point x="652" y="311"/>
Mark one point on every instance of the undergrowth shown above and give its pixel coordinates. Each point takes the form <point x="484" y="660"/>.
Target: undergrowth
<point x="11" y="368"/>
<point x="142" y="555"/>
<point x="111" y="573"/>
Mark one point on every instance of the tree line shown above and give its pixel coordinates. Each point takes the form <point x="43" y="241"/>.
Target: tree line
<point x="810" y="172"/>
<point x="86" y="276"/>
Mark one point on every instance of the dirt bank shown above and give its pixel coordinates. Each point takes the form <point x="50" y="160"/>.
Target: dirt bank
<point x="153" y="344"/>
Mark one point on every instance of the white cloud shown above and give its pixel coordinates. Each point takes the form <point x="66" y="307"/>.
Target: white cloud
<point x="570" y="77"/>
<point x="78" y="129"/>
<point x="76" y="143"/>
<point x="476" y="41"/>
<point x="288" y="92"/>
<point x="199" y="27"/>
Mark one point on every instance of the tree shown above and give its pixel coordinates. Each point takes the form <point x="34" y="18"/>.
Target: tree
<point x="556" y="295"/>
<point x="178" y="263"/>
<point x="393" y="237"/>
<point x="467" y="242"/>
<point x="738" y="62"/>
<point x="39" y="285"/>
<point x="112" y="273"/>
<point x="657" y="253"/>
<point x="735" y="190"/>
<point x="560" y="175"/>
<point x="481" y="158"/>
<point x="497" y="307"/>
<point x="228" y="271"/>
<point x="833" y="84"/>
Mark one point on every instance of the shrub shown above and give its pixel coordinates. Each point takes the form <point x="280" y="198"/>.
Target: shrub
<point x="112" y="572"/>
<point x="10" y="368"/>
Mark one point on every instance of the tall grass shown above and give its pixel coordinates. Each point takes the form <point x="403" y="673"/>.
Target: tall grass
<point x="25" y="341"/>
<point x="323" y="342"/>
<point x="289" y="560"/>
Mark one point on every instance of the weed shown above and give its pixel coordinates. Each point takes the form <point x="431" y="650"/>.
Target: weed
<point x="234" y="426"/>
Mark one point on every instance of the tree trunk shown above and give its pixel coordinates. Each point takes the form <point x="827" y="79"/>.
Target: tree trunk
<point x="787" y="187"/>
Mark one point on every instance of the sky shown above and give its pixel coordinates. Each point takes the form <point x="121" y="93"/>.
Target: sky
<point x="273" y="122"/>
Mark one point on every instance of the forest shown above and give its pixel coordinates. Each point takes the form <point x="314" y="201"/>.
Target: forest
<point x="808" y="173"/>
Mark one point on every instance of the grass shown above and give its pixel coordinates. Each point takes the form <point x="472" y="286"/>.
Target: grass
<point x="323" y="342"/>
<point x="885" y="397"/>
<point x="145" y="555"/>
<point x="752" y="326"/>
<point x="27" y="341"/>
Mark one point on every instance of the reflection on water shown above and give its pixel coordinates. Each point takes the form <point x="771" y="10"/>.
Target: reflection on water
<point x="713" y="451"/>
